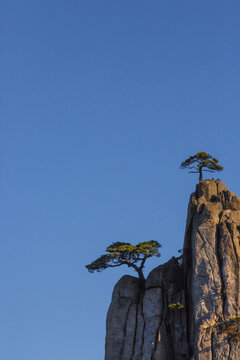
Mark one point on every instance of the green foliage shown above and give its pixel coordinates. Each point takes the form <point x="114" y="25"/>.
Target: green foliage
<point x="201" y="162"/>
<point x="232" y="327"/>
<point x="121" y="253"/>
<point x="233" y="318"/>
<point x="176" y="305"/>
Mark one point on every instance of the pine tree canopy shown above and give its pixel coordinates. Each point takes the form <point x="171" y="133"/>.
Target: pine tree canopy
<point x="201" y="162"/>
<point x="121" y="253"/>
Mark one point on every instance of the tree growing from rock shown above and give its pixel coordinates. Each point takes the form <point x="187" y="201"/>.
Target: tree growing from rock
<point x="201" y="162"/>
<point x="121" y="253"/>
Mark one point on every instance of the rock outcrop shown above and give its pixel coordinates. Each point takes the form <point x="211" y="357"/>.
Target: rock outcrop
<point x="205" y="280"/>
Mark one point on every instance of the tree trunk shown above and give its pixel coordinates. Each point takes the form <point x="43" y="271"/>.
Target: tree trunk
<point x="200" y="174"/>
<point x="140" y="274"/>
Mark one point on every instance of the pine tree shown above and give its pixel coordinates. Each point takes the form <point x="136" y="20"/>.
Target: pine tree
<point x="201" y="162"/>
<point x="121" y="253"/>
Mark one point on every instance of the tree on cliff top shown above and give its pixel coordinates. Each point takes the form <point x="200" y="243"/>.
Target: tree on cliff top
<point x="201" y="162"/>
<point x="121" y="253"/>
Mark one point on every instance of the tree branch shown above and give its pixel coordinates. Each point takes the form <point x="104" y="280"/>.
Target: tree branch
<point x="143" y="262"/>
<point x="109" y="265"/>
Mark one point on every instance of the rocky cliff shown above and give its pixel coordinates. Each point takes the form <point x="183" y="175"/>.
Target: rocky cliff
<point x="205" y="280"/>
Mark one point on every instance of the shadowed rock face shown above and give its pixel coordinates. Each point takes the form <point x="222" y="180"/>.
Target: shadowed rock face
<point x="140" y="324"/>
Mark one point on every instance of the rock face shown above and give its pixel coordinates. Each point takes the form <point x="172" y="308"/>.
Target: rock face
<point x="140" y="323"/>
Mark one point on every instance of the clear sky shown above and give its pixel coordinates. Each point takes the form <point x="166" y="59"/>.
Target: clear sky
<point x="100" y="101"/>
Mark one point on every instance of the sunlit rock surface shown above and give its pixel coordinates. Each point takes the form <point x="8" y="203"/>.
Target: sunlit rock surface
<point x="140" y="324"/>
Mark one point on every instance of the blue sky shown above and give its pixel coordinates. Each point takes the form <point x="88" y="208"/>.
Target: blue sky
<point x="100" y="101"/>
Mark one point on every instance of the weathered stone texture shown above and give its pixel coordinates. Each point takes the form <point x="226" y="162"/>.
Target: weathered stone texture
<point x="211" y="267"/>
<point x="141" y="326"/>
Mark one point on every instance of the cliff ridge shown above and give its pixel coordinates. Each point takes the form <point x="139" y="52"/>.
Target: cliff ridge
<point x="205" y="280"/>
